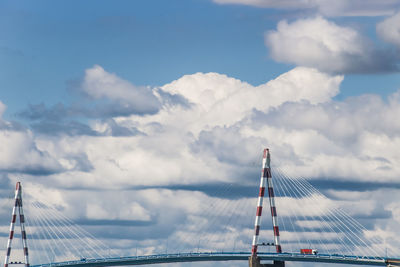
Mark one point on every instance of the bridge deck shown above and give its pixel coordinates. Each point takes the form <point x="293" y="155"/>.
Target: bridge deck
<point x="223" y="256"/>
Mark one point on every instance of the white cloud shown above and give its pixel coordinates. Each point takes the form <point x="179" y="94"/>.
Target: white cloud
<point x="228" y="121"/>
<point x="101" y="210"/>
<point x="100" y="84"/>
<point x="2" y="109"/>
<point x="3" y="123"/>
<point x="389" y="29"/>
<point x="326" y="7"/>
<point x="19" y="152"/>
<point x="326" y="46"/>
<point x="358" y="137"/>
<point x="223" y="101"/>
<point x="217" y="137"/>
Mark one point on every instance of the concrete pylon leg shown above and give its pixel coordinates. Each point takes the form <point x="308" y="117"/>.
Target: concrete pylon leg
<point x="392" y="263"/>
<point x="279" y="263"/>
<point x="254" y="261"/>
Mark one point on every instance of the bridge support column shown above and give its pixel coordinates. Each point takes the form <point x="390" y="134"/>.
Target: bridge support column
<point x="392" y="263"/>
<point x="254" y="261"/>
<point x="17" y="209"/>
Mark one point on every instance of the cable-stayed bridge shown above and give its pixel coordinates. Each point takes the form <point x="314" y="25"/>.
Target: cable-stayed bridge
<point x="291" y="221"/>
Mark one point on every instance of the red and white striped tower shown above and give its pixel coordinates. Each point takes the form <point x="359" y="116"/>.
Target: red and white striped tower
<point x="17" y="207"/>
<point x="266" y="179"/>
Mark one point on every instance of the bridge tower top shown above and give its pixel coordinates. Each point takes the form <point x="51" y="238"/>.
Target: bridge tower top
<point x="266" y="180"/>
<point x="17" y="208"/>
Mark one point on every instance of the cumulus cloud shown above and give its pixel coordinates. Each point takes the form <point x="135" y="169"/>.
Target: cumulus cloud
<point x="389" y="29"/>
<point x="324" y="45"/>
<point x="19" y="152"/>
<point x="221" y="100"/>
<point x="341" y="120"/>
<point x="108" y="97"/>
<point x="21" y="155"/>
<point x="355" y="143"/>
<point x="325" y="7"/>
<point x="210" y="129"/>
<point x="99" y="84"/>
<point x="212" y="138"/>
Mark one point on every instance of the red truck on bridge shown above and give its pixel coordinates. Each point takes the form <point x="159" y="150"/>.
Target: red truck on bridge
<point x="308" y="251"/>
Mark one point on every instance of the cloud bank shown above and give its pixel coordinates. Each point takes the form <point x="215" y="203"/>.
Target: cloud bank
<point x="319" y="43"/>
<point x="208" y="129"/>
<point x="389" y="30"/>
<point x="325" y="7"/>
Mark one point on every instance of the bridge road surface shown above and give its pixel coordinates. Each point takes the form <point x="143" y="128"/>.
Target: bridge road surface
<point x="223" y="256"/>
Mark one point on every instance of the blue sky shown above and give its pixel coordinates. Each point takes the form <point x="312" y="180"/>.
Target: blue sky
<point x="45" y="45"/>
<point x="50" y="43"/>
<point x="92" y="93"/>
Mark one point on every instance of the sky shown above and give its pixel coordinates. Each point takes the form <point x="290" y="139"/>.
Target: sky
<point x="152" y="105"/>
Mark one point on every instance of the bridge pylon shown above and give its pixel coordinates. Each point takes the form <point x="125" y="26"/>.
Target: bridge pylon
<point x="266" y="180"/>
<point x="255" y="261"/>
<point x="17" y="208"/>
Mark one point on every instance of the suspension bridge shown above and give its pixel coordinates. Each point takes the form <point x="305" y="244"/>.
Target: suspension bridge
<point x="304" y="226"/>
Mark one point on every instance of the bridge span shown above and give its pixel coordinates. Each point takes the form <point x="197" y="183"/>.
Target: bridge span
<point x="330" y="235"/>
<point x="221" y="256"/>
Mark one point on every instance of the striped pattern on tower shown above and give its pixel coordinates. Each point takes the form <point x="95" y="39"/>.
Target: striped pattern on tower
<point x="22" y="224"/>
<point x="17" y="207"/>
<point x="271" y="195"/>
<point x="266" y="179"/>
